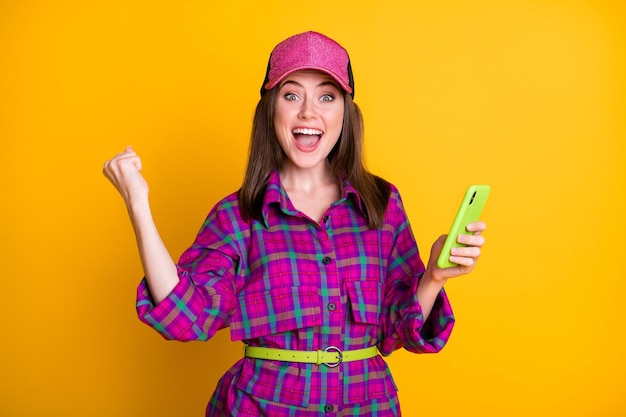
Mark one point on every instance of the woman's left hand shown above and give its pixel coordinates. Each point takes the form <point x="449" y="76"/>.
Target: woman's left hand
<point x="465" y="256"/>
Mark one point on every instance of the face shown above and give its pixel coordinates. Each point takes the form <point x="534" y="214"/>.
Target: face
<point x="308" y="118"/>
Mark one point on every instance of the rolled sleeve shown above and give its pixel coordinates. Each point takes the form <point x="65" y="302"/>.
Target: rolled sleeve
<point x="189" y="312"/>
<point x="175" y="316"/>
<point x="431" y="336"/>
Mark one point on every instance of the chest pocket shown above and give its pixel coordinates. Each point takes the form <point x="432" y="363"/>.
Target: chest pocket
<point x="365" y="300"/>
<point x="274" y="311"/>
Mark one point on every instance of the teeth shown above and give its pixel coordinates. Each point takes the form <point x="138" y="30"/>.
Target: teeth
<point x="302" y="131"/>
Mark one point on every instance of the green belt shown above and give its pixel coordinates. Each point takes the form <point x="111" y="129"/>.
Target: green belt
<point x="331" y="356"/>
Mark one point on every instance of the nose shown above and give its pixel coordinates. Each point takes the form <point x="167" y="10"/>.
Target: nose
<point x="307" y="109"/>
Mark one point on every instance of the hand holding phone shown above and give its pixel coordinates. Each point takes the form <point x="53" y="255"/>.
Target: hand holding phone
<point x="469" y="211"/>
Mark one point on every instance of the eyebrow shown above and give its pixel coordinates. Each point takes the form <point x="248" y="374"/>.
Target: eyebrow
<point x="322" y="84"/>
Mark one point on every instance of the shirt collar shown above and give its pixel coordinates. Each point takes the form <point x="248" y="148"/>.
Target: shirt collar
<point x="275" y="194"/>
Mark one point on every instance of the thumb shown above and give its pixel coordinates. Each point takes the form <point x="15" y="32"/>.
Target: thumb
<point x="436" y="248"/>
<point x="136" y="161"/>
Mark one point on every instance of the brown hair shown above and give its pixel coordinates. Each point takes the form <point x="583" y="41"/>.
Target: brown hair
<point x="346" y="161"/>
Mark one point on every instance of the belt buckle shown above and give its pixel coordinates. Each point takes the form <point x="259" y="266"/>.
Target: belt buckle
<point x="339" y="360"/>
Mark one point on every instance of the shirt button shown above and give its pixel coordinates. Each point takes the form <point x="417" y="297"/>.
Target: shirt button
<point x="326" y="260"/>
<point x="325" y="219"/>
<point x="328" y="408"/>
<point x="332" y="306"/>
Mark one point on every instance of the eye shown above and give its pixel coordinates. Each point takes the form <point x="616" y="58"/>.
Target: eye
<point x="291" y="97"/>
<point x="327" y="98"/>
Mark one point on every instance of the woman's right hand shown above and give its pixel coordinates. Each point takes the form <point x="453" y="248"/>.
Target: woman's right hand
<point x="124" y="172"/>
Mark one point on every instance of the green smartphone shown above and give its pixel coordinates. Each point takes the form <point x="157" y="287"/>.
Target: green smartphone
<point x="469" y="211"/>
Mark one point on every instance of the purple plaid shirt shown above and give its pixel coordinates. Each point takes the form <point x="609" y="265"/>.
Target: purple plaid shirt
<point x="288" y="282"/>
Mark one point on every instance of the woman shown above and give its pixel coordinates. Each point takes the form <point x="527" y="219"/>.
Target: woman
<point x="312" y="263"/>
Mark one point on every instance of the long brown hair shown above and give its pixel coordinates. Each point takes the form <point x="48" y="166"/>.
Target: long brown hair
<point x="345" y="159"/>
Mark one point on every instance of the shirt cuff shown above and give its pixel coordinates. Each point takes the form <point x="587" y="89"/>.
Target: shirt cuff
<point x="174" y="315"/>
<point x="430" y="336"/>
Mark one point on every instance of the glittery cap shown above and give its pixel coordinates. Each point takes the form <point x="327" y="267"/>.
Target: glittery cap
<point x="313" y="51"/>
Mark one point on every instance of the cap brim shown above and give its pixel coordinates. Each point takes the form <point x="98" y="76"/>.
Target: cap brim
<point x="273" y="83"/>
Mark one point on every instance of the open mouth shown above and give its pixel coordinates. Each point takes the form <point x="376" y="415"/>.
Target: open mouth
<point x="307" y="137"/>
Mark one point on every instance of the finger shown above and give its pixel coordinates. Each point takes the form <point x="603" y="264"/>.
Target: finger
<point x="471" y="240"/>
<point x="126" y="157"/>
<point x="127" y="152"/>
<point x="466" y="252"/>
<point x="132" y="159"/>
<point x="123" y="171"/>
<point x="476" y="227"/>
<point x="463" y="261"/>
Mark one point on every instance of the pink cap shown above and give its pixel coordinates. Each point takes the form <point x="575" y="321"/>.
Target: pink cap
<point x="313" y="51"/>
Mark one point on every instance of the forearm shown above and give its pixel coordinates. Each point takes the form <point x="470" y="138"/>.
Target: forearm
<point x="159" y="268"/>
<point x="427" y="292"/>
<point x="124" y="172"/>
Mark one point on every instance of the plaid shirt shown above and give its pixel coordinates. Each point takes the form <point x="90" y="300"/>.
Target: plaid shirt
<point x="289" y="282"/>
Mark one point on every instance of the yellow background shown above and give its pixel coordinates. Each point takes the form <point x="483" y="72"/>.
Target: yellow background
<point x="528" y="96"/>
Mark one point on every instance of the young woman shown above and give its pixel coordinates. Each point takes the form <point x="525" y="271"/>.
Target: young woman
<point x="312" y="263"/>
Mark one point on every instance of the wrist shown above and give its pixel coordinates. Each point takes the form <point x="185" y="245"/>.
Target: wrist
<point x="137" y="204"/>
<point x="428" y="290"/>
<point x="433" y="279"/>
<point x="139" y="211"/>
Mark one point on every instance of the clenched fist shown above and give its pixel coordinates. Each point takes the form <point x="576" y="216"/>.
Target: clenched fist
<point x="124" y="172"/>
